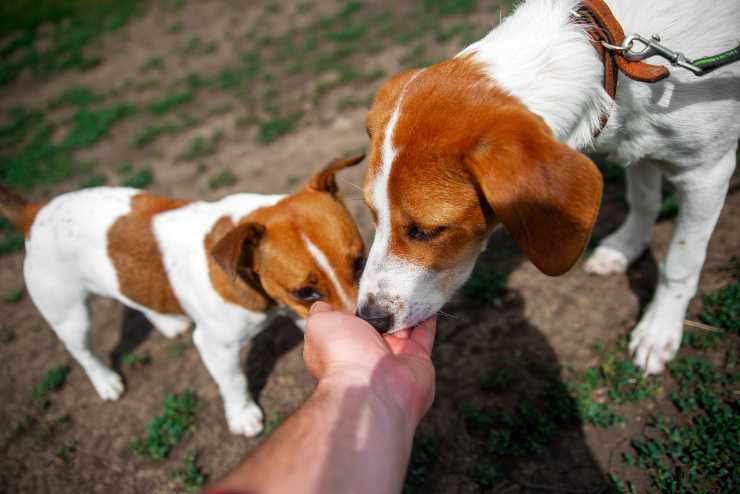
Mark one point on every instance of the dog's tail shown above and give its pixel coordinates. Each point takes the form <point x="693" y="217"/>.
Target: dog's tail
<point x="18" y="210"/>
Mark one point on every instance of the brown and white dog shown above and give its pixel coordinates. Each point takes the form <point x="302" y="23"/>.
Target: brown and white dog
<point x="228" y="266"/>
<point x="491" y="137"/>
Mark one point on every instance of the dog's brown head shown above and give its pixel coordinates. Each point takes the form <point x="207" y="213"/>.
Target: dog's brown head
<point x="451" y="156"/>
<point x="303" y="249"/>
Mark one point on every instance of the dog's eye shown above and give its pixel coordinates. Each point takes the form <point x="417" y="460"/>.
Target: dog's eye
<point x="307" y="294"/>
<point x="358" y="265"/>
<point x="415" y="232"/>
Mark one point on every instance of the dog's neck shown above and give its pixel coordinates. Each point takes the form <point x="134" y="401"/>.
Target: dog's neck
<point x="546" y="60"/>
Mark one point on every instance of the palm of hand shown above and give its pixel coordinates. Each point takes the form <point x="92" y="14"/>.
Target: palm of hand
<point x="343" y="347"/>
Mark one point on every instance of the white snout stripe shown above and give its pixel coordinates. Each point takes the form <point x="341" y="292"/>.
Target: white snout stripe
<point x="326" y="267"/>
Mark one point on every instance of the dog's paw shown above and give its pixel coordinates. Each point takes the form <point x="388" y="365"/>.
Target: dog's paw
<point x="605" y="261"/>
<point x="246" y="420"/>
<point x="654" y="343"/>
<point x="107" y="383"/>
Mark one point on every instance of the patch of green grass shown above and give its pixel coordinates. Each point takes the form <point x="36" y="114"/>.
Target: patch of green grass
<point x="450" y="7"/>
<point x="486" y="475"/>
<point x="139" y="180"/>
<point x="136" y="360"/>
<point x="13" y="296"/>
<point x="497" y="381"/>
<point x="276" y="127"/>
<point x="190" y="476"/>
<point x="78" y="96"/>
<point x="223" y="178"/>
<point x="73" y="26"/>
<point x="94" y="180"/>
<point x="20" y="123"/>
<point x="53" y="381"/>
<point x="125" y="168"/>
<point x="175" y="350"/>
<point x="698" y="454"/>
<point x="153" y="63"/>
<point x="65" y="452"/>
<point x="523" y="431"/>
<point x="170" y="101"/>
<point x="624" y="381"/>
<point x="89" y="127"/>
<point x="34" y="157"/>
<point x="11" y="240"/>
<point x="152" y="132"/>
<point x="485" y="285"/>
<point x="722" y="309"/>
<point x="423" y="458"/>
<point x="202" y="146"/>
<point x="272" y="423"/>
<point x="669" y="207"/>
<point x="165" y="431"/>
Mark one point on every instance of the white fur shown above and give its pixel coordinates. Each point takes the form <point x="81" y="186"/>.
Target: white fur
<point x="325" y="266"/>
<point x="406" y="290"/>
<point x="67" y="259"/>
<point x="683" y="128"/>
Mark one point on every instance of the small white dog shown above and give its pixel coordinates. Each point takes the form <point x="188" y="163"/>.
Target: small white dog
<point x="491" y="136"/>
<point x="229" y="266"/>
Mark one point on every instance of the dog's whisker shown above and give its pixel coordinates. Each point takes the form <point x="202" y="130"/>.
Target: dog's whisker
<point x="448" y="315"/>
<point x="353" y="185"/>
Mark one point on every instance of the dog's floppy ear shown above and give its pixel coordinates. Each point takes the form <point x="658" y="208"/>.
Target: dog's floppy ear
<point x="234" y="253"/>
<point x="545" y="193"/>
<point x="324" y="180"/>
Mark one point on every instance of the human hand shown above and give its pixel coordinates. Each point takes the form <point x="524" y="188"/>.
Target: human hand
<point x="343" y="350"/>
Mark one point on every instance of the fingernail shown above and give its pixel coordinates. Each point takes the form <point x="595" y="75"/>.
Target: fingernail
<point x="319" y="307"/>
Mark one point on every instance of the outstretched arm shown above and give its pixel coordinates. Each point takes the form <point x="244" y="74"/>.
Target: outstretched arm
<point x="354" y="433"/>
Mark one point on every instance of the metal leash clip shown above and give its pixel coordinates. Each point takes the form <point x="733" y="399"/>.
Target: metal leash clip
<point x="652" y="47"/>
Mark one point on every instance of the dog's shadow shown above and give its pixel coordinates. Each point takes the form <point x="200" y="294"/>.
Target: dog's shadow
<point x="280" y="337"/>
<point x="267" y="347"/>
<point x="495" y="367"/>
<point x="135" y="330"/>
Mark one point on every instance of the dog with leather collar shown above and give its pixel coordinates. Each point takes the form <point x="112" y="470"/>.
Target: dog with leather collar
<point x="496" y="135"/>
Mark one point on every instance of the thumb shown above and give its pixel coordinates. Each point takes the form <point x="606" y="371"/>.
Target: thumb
<point x="319" y="307"/>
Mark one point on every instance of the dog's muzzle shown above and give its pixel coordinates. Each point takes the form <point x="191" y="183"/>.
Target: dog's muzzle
<point x="378" y="317"/>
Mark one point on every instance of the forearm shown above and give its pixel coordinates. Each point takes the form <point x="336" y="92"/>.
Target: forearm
<point x="344" y="439"/>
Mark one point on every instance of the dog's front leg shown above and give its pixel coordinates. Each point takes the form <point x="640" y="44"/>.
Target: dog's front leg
<point x="617" y="251"/>
<point x="657" y="336"/>
<point x="243" y="415"/>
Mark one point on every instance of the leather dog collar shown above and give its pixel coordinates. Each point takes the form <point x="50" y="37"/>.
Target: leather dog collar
<point x="602" y="26"/>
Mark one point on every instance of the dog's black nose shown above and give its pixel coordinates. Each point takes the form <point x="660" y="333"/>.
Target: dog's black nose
<point x="378" y="317"/>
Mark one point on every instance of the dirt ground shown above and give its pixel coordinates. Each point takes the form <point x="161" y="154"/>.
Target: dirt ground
<point x="540" y="325"/>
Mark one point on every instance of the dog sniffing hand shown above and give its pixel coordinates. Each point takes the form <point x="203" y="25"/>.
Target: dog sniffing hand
<point x="342" y="347"/>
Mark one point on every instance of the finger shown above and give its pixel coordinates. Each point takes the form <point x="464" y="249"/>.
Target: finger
<point x="403" y="334"/>
<point x="319" y="307"/>
<point x="424" y="334"/>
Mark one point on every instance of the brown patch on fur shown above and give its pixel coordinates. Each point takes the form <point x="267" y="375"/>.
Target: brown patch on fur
<point x="283" y="262"/>
<point x="267" y="249"/>
<point x="136" y="257"/>
<point x="232" y="288"/>
<point x="18" y="210"/>
<point x="470" y="155"/>
<point x="29" y="214"/>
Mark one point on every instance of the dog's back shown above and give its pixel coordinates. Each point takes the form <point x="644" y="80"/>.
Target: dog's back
<point x="684" y="119"/>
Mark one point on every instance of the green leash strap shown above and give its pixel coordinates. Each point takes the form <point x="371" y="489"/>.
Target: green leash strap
<point x="714" y="62"/>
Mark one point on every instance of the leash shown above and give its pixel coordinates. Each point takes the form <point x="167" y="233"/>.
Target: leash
<point x="625" y="54"/>
<point x="652" y="46"/>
